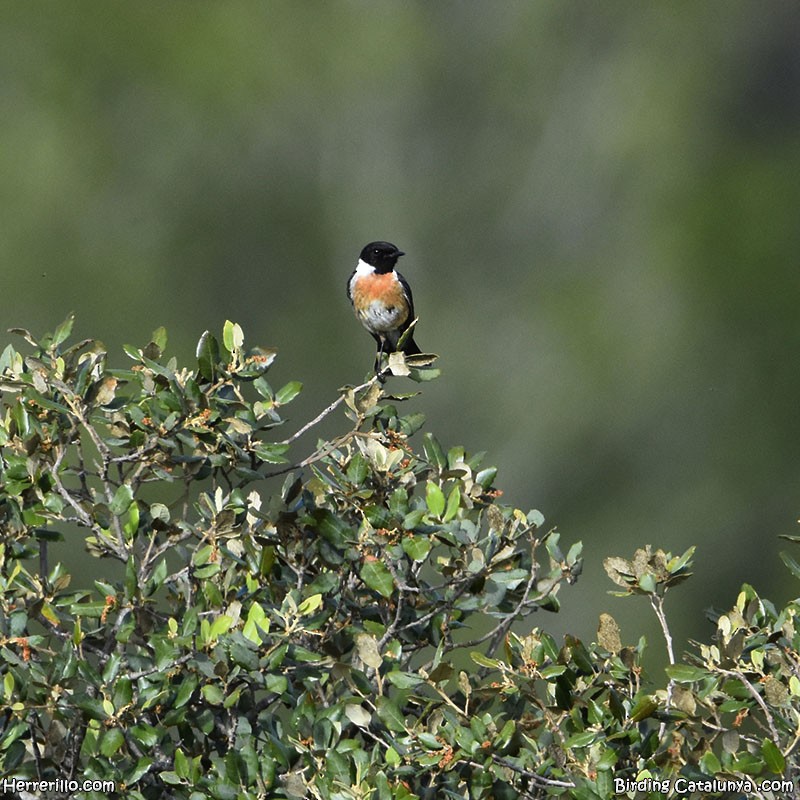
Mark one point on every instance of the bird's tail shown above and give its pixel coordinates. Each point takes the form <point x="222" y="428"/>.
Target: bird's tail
<point x="401" y="340"/>
<point x="410" y="347"/>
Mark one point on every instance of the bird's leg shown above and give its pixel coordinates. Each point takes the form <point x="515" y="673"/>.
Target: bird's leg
<point x="379" y="360"/>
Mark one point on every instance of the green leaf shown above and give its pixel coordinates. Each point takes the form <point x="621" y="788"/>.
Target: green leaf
<point x="139" y="770"/>
<point x="63" y="331"/>
<point x="413" y="519"/>
<point x="43" y="401"/>
<point x="123" y="692"/>
<point x="257" y="362"/>
<point x="357" y="469"/>
<point x="358" y="715"/>
<point x="8" y="687"/>
<point x="272" y="453"/>
<point x="368" y="650"/>
<point x="429" y="741"/>
<point x="604" y="784"/>
<point x="553" y="671"/>
<point x="203" y="555"/>
<point x="583" y="739"/>
<point x="647" y="583"/>
<point x="403" y="680"/>
<point x="417" y="547"/>
<point x="709" y="763"/>
<point x="680" y="561"/>
<point x="333" y="528"/>
<point x="181" y="764"/>
<point x="423" y="375"/>
<point x="441" y="672"/>
<point x="159" y="338"/>
<point x="233" y="698"/>
<point x="91" y="706"/>
<point x="643" y="708"/>
<point x="773" y="757"/>
<point x="434" y="499"/>
<point x="389" y="714"/>
<point x="257" y="621"/>
<point x="748" y="763"/>
<point x="453" y="503"/>
<point x="276" y="683"/>
<point x="145" y="734"/>
<point x="208" y="356"/>
<point x="287" y="393"/>
<point x="310" y="605"/>
<point x="220" y="626"/>
<point x="411" y="423"/>
<point x="111" y="742"/>
<point x="433" y="451"/>
<point x="232" y="335"/>
<point x="607" y="760"/>
<point x="132" y="523"/>
<point x="486" y="476"/>
<point x="484" y="661"/>
<point x="122" y="500"/>
<point x="160" y="512"/>
<point x="685" y="673"/>
<point x="213" y="694"/>
<point x="793" y="566"/>
<point x="185" y="690"/>
<point x="377" y="576"/>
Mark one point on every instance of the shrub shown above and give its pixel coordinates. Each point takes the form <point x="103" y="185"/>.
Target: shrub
<point x="345" y="624"/>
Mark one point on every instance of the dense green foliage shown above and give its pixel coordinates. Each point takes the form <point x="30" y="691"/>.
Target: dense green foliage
<point x="346" y="624"/>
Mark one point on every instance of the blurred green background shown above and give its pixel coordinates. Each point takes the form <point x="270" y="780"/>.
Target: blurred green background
<point x="599" y="203"/>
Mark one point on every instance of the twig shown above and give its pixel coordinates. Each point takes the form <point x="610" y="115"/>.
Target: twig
<point x="658" y="606"/>
<point x="502" y="629"/>
<point x="43" y="570"/>
<point x="75" y="404"/>
<point x="657" y="602"/>
<point x="793" y="744"/>
<point x="143" y="673"/>
<point x="37" y="755"/>
<point x="324" y="451"/>
<point x="324" y="413"/>
<point x="400" y="605"/>
<point x="735" y="673"/>
<point x="463" y="712"/>
<point x="84" y="517"/>
<point x="539" y="780"/>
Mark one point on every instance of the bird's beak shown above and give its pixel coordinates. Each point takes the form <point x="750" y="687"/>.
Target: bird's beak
<point x="400" y="253"/>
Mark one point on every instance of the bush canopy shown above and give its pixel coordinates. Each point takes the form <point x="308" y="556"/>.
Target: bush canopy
<point x="351" y="622"/>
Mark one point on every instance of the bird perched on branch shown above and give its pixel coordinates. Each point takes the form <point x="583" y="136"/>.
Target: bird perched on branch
<point x="382" y="300"/>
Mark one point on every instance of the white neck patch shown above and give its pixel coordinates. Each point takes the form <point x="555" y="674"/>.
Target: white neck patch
<point x="362" y="268"/>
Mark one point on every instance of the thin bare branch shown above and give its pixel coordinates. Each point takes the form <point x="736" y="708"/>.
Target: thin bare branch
<point x="326" y="411"/>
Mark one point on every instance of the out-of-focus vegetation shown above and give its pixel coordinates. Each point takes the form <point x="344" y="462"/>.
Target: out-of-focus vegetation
<point x="599" y="206"/>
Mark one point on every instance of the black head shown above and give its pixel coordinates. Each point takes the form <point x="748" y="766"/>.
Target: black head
<point x="381" y="255"/>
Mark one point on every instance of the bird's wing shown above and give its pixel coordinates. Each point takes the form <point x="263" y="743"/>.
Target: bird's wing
<point x="407" y="292"/>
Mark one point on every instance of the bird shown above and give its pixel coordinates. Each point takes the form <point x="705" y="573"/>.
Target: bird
<point x="382" y="300"/>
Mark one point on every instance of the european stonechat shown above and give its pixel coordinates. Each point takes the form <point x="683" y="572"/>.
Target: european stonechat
<point x="382" y="300"/>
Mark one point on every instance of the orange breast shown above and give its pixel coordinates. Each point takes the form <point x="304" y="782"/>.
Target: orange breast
<point x="384" y="288"/>
<point x="379" y="302"/>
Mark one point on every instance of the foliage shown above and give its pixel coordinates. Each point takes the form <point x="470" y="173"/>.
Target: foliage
<point x="335" y="627"/>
